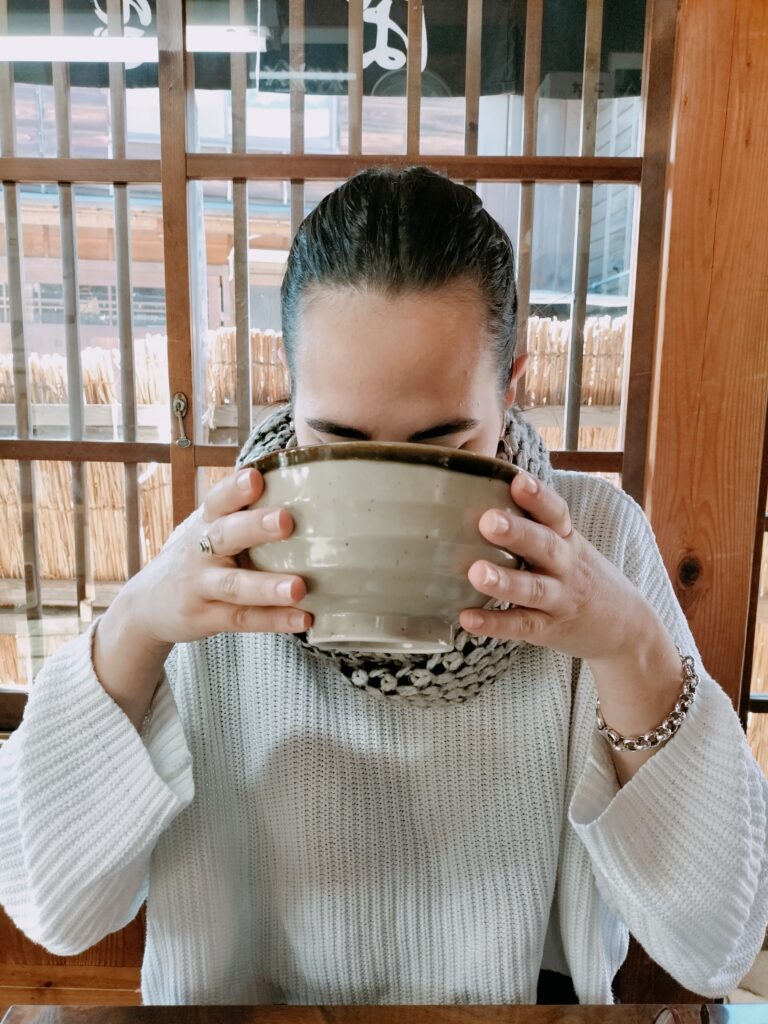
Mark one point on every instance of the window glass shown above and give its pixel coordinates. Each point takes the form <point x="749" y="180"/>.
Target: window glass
<point x="606" y="334"/>
<point x="269" y="238"/>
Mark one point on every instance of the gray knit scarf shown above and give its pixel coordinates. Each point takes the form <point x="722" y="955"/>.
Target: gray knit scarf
<point x="427" y="680"/>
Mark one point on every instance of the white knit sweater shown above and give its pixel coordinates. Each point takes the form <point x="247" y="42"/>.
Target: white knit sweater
<point x="299" y="841"/>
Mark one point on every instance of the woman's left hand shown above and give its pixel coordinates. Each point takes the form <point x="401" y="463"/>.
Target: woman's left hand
<point x="570" y="597"/>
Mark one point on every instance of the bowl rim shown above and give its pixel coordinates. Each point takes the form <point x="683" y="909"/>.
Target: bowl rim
<point x="440" y="457"/>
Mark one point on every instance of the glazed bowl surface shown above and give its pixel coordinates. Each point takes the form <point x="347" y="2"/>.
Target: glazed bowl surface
<point x="384" y="536"/>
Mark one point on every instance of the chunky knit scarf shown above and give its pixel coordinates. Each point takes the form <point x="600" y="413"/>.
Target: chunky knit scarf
<point x="423" y="679"/>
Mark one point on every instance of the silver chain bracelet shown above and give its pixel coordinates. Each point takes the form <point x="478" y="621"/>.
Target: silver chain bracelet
<point x="671" y="723"/>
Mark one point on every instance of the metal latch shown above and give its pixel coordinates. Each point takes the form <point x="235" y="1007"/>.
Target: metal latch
<point x="180" y="406"/>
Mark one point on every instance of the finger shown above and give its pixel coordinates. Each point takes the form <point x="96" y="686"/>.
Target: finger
<point x="539" y="546"/>
<point x="250" y="587"/>
<point x="529" y="589"/>
<point x="228" y="618"/>
<point x="544" y="504"/>
<point x="233" y="533"/>
<point x="233" y="493"/>
<point x="513" y="624"/>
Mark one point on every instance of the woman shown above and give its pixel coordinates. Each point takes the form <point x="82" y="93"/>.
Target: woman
<point x="444" y="827"/>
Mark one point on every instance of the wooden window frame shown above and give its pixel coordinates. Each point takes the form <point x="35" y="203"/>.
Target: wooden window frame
<point x="179" y="165"/>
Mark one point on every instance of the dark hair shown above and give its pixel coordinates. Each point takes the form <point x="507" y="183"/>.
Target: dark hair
<point x="404" y="231"/>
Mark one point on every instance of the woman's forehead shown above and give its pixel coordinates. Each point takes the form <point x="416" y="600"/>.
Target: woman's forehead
<point x="445" y="321"/>
<point x="429" y="351"/>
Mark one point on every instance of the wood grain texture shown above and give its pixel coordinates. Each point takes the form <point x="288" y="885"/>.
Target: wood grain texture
<point x="122" y="236"/>
<point x="658" y="64"/>
<point x="711" y="377"/>
<point x="472" y="75"/>
<point x="296" y="62"/>
<point x="53" y="997"/>
<point x="12" y="704"/>
<point x="330" y="167"/>
<point x="523" y="249"/>
<point x="593" y="35"/>
<point x="534" y="17"/>
<point x="708" y="411"/>
<point x="84" y="451"/>
<point x="413" y="80"/>
<point x="176" y="242"/>
<point x="73" y="169"/>
<point x="355" y="69"/>
<point x="107" y="973"/>
<point x="120" y="950"/>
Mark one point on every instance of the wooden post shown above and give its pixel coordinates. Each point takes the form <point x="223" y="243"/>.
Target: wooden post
<point x="173" y="143"/>
<point x="711" y="367"/>
<point x="710" y="378"/>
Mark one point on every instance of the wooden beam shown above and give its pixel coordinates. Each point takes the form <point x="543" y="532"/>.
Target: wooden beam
<point x="107" y="973"/>
<point x="658" y="59"/>
<point x="65" y="984"/>
<point x="330" y="167"/>
<point x="534" y="17"/>
<point x="83" y="451"/>
<point x="296" y="60"/>
<point x="355" y="83"/>
<point x="13" y="700"/>
<point x="413" y="80"/>
<point x="117" y="101"/>
<point x="20" y="999"/>
<point x="711" y="377"/>
<point x="473" y="51"/>
<point x="77" y="169"/>
<point x="588" y="461"/>
<point x="173" y="142"/>
<point x="593" y="34"/>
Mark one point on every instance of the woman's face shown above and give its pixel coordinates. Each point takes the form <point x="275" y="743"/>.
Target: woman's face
<point x="414" y="367"/>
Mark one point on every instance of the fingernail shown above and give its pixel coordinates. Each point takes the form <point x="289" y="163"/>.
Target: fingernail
<point x="529" y="484"/>
<point x="271" y="521"/>
<point x="284" y="588"/>
<point x="500" y="523"/>
<point x="490" y="576"/>
<point x="473" y="620"/>
<point x="296" y="620"/>
<point x="244" y="480"/>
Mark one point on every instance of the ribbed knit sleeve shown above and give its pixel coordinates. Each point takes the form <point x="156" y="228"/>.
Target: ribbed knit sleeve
<point x="84" y="798"/>
<point x="679" y="852"/>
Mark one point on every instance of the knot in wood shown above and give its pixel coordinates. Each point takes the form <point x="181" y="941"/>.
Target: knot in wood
<point x="689" y="570"/>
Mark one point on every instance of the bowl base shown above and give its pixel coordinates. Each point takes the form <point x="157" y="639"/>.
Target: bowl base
<point x="372" y="634"/>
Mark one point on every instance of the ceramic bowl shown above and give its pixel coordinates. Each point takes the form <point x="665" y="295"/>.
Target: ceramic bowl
<point x="384" y="536"/>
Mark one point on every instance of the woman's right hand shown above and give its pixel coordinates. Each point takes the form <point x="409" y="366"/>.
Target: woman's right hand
<point x="184" y="594"/>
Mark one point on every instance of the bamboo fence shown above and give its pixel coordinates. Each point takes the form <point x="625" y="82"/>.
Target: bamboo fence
<point x="603" y="364"/>
<point x="604" y="346"/>
<point x="270" y="381"/>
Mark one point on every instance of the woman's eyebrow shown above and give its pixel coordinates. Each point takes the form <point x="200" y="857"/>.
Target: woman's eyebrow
<point x="441" y="430"/>
<point x="445" y="429"/>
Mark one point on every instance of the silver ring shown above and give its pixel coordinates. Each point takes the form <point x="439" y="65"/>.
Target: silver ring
<point x="205" y="544"/>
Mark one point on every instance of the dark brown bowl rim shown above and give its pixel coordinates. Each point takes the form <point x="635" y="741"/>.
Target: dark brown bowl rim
<point x="389" y="451"/>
